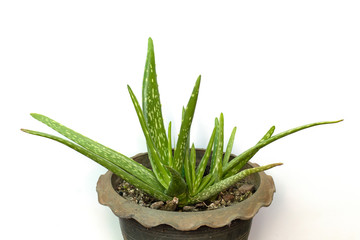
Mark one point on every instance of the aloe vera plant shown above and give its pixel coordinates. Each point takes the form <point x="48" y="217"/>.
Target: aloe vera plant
<point x="174" y="170"/>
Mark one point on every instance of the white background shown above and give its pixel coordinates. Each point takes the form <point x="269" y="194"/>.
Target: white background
<point x="263" y="63"/>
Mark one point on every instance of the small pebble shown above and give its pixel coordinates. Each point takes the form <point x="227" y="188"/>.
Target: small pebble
<point x="171" y="205"/>
<point x="157" y="205"/>
<point x="212" y="206"/>
<point x="188" y="208"/>
<point x="200" y="205"/>
<point x="246" y="187"/>
<point x="228" y="197"/>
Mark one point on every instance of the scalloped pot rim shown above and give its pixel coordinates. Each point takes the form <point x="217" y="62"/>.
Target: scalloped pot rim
<point x="185" y="221"/>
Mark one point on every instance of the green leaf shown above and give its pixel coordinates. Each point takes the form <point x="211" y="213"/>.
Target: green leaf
<point x="205" y="181"/>
<point x="192" y="165"/>
<point x="268" y="134"/>
<point x="229" y="147"/>
<point x="177" y="186"/>
<point x="118" y="159"/>
<point x="185" y="127"/>
<point x="204" y="161"/>
<point x="216" y="140"/>
<point x="160" y="172"/>
<point x="170" y="160"/>
<point x="248" y="153"/>
<point x="226" y="183"/>
<point x="242" y="163"/>
<point x="187" y="171"/>
<point x="152" y="106"/>
<point x="217" y="170"/>
<point x="117" y="170"/>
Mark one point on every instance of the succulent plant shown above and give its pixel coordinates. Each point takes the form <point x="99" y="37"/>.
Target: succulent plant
<point x="174" y="170"/>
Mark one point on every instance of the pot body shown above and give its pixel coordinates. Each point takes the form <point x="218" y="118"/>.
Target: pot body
<point x="141" y="223"/>
<point x="237" y="230"/>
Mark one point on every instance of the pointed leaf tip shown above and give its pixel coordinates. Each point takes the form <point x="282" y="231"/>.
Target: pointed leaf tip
<point x="36" y="115"/>
<point x="337" y="121"/>
<point x="150" y="43"/>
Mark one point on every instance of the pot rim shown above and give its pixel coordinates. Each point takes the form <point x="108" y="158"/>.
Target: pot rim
<point x="186" y="221"/>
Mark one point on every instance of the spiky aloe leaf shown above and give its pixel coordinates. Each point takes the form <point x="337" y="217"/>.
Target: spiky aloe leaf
<point x="177" y="187"/>
<point x="151" y="106"/>
<point x="185" y="127"/>
<point x="217" y="167"/>
<point x="242" y="163"/>
<point x="203" y="163"/>
<point x="213" y="157"/>
<point x="187" y="171"/>
<point x="193" y="164"/>
<point x="226" y="183"/>
<point x="160" y="172"/>
<point x="141" y="184"/>
<point x="250" y="151"/>
<point x="205" y="181"/>
<point x="229" y="147"/>
<point x="205" y="159"/>
<point x="118" y="159"/>
<point x="170" y="159"/>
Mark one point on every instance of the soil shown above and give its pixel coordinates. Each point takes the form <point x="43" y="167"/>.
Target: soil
<point x="236" y="193"/>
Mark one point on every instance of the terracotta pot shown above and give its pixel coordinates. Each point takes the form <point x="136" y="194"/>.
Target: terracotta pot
<point x="137" y="222"/>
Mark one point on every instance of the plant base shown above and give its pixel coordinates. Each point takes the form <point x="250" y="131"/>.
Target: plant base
<point x="232" y="222"/>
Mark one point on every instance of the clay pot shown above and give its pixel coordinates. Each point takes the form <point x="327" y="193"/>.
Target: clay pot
<point x="232" y="222"/>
